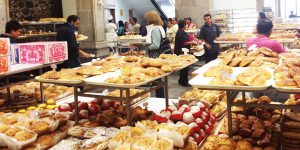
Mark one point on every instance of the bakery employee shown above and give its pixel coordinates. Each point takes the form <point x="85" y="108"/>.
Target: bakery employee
<point x="12" y="31"/>
<point x="264" y="29"/>
<point x="67" y="33"/>
<point x="208" y="33"/>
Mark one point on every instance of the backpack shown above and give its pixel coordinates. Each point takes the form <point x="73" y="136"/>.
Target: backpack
<point x="164" y="48"/>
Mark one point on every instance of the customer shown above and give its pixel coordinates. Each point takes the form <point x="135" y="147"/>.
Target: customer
<point x="127" y="27"/>
<point x="121" y="29"/>
<point x="182" y="41"/>
<point x="261" y="15"/>
<point x="135" y="27"/>
<point x="264" y="30"/>
<point x="12" y="31"/>
<point x="189" y="24"/>
<point x="155" y="36"/>
<point x="67" y="33"/>
<point x="208" y="33"/>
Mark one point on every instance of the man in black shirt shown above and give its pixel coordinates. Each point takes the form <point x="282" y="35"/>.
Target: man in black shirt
<point x="67" y="33"/>
<point x="12" y="31"/>
<point x="209" y="32"/>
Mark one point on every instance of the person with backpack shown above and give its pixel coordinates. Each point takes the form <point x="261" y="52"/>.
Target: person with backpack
<point x="156" y="35"/>
<point x="157" y="39"/>
<point x="121" y="28"/>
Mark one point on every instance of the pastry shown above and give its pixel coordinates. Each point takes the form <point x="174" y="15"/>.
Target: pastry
<point x="228" y="58"/>
<point x="216" y="71"/>
<point x="292" y="116"/>
<point x="235" y="61"/>
<point x="246" y="61"/>
<point x="243" y="145"/>
<point x="12" y="131"/>
<point x="291" y="124"/>
<point x="151" y="62"/>
<point x="153" y="71"/>
<point x="39" y="127"/>
<point x="76" y="131"/>
<point x="131" y="58"/>
<point x="45" y="141"/>
<point x="291" y="135"/>
<point x="222" y="81"/>
<point x="3" y="128"/>
<point x="258" y="134"/>
<point x="166" y="68"/>
<point x="264" y="100"/>
<point x="23" y="135"/>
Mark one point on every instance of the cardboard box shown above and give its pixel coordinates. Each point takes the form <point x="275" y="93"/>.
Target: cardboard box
<point x="4" y="46"/>
<point x="33" y="53"/>
<point x="57" y="51"/>
<point x="39" y="52"/>
<point x="14" y="50"/>
<point x="4" y="64"/>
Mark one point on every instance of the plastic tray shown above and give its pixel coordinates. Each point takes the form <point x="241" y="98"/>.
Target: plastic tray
<point x="58" y="81"/>
<point x="100" y="80"/>
<point x="203" y="82"/>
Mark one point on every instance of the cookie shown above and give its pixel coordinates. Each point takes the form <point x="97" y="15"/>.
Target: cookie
<point x="292" y="124"/>
<point x="293" y="116"/>
<point x="291" y="135"/>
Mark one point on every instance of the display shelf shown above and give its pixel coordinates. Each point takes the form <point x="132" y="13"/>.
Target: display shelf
<point x="232" y="93"/>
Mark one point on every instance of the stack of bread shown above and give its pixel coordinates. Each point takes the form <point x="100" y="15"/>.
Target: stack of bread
<point x="243" y="58"/>
<point x="291" y="131"/>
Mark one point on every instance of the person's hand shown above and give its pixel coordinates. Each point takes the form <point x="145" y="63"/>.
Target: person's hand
<point x="208" y="46"/>
<point x="86" y="55"/>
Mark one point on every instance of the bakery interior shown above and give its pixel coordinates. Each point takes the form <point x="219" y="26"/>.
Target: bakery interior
<point x="149" y="75"/>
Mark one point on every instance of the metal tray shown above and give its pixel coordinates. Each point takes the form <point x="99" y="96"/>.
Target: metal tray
<point x="100" y="80"/>
<point x="203" y="82"/>
<point x="58" y="81"/>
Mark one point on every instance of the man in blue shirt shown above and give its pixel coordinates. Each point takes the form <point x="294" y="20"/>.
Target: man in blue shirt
<point x="208" y="33"/>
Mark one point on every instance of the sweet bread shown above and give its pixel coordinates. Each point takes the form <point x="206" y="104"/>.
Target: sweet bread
<point x="246" y="61"/>
<point x="235" y="61"/>
<point x="228" y="58"/>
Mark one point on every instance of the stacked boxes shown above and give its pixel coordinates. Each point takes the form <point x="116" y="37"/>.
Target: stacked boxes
<point x="4" y="55"/>
<point x="39" y="52"/>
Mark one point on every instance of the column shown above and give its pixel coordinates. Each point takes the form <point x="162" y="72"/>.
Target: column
<point x="193" y="8"/>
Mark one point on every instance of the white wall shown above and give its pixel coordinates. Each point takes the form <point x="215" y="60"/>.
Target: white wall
<point x="233" y="4"/>
<point x="125" y="7"/>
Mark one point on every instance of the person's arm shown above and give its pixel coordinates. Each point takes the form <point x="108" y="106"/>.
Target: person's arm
<point x="84" y="54"/>
<point x="219" y="32"/>
<point x="155" y="40"/>
<point x="201" y="36"/>
<point x="277" y="47"/>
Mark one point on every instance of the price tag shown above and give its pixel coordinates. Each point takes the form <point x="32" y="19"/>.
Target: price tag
<point x="54" y="66"/>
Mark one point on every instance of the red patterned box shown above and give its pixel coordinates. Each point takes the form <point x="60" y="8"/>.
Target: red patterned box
<point x="42" y="52"/>
<point x="57" y="51"/>
<point x="4" y="64"/>
<point x="4" y="46"/>
<point x="33" y="53"/>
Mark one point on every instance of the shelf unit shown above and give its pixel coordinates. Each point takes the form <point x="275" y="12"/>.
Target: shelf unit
<point x="235" y="20"/>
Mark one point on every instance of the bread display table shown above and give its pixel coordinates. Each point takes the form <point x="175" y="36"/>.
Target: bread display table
<point x="232" y="91"/>
<point x="88" y="85"/>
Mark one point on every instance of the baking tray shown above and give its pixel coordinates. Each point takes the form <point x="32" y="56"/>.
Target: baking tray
<point x="286" y="89"/>
<point x="230" y="42"/>
<point x="100" y="80"/>
<point x="58" y="81"/>
<point x="203" y="82"/>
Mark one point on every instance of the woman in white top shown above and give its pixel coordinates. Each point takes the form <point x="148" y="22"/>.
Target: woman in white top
<point x="111" y="34"/>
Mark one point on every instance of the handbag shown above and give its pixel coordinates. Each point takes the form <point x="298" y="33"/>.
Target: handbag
<point x="164" y="48"/>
